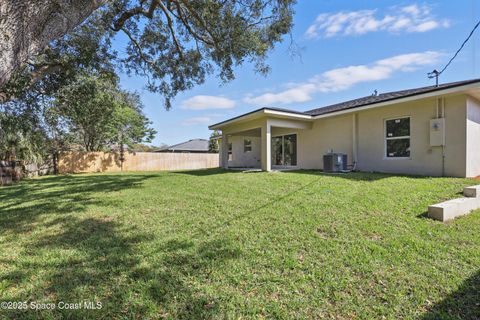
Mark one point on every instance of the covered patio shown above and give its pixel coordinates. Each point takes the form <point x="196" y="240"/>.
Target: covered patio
<point x="264" y="139"/>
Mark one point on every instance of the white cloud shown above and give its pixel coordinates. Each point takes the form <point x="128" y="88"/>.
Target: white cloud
<point x="413" y="18"/>
<point x="344" y="78"/>
<point x="196" y="121"/>
<point x="202" y="102"/>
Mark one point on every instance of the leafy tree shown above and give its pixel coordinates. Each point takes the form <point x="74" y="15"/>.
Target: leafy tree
<point x="99" y="115"/>
<point x="213" y="143"/>
<point x="174" y="43"/>
<point x="140" y="147"/>
<point x="88" y="47"/>
<point x="21" y="138"/>
<point x="30" y="129"/>
<point x="27" y="27"/>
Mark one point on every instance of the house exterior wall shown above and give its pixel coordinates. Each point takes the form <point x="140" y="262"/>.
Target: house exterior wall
<point x="473" y="137"/>
<point x="243" y="126"/>
<point x="336" y="133"/>
<point x="455" y="136"/>
<point x="330" y="133"/>
<point x="240" y="158"/>
<point x="460" y="156"/>
<point x="424" y="159"/>
<point x="275" y="126"/>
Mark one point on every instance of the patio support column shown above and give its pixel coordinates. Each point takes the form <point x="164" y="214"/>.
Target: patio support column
<point x="266" y="143"/>
<point x="224" y="151"/>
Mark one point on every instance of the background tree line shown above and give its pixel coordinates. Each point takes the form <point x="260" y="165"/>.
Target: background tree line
<point x="90" y="113"/>
<point x="58" y="81"/>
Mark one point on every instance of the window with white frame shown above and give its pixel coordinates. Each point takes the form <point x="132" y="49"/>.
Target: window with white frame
<point x="247" y="145"/>
<point x="397" y="138"/>
<point x="230" y="153"/>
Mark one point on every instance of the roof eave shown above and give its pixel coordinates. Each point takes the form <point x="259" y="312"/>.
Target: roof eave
<point x="412" y="97"/>
<point x="262" y="111"/>
<point x="219" y="125"/>
<point x="304" y="116"/>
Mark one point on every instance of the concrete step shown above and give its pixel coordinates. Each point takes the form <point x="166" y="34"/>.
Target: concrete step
<point x="472" y="192"/>
<point x="453" y="208"/>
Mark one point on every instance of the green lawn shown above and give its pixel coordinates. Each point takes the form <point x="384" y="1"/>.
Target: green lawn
<point x="218" y="244"/>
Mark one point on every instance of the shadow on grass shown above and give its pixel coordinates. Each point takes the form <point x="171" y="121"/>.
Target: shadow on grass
<point x="21" y="205"/>
<point x="357" y="175"/>
<point x="423" y="215"/>
<point x="75" y="258"/>
<point x="462" y="304"/>
<point x="246" y="214"/>
<point x="204" y="172"/>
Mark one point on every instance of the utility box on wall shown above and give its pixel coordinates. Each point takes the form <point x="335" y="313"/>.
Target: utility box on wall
<point x="437" y="132"/>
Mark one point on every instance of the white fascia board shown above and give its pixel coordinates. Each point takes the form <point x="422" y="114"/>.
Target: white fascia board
<point x="266" y="111"/>
<point x="256" y="114"/>
<point x="288" y="114"/>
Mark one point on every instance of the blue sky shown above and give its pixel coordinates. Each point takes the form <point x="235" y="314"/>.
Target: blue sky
<point x="345" y="50"/>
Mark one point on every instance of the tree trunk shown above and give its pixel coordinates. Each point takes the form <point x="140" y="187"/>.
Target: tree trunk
<point x="55" y="162"/>
<point x="28" y="26"/>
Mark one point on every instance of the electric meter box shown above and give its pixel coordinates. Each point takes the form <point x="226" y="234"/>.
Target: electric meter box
<point x="437" y="132"/>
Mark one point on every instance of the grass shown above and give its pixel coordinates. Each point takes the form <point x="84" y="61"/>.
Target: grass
<point x="215" y="244"/>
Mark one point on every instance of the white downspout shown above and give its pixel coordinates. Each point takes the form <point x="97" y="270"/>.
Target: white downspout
<point x="445" y="139"/>
<point x="440" y="111"/>
<point x="441" y="114"/>
<point x="354" y="141"/>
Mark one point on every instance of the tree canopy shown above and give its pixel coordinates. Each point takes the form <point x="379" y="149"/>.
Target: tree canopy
<point x="175" y="44"/>
<point x="213" y="145"/>
<point x="58" y="76"/>
<point x="27" y="27"/>
<point x="90" y="113"/>
<point x="99" y="115"/>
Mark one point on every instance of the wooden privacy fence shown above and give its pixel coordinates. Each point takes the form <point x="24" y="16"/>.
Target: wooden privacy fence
<point x="76" y="162"/>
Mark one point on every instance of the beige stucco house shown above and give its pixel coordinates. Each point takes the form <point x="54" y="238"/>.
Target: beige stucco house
<point x="432" y="131"/>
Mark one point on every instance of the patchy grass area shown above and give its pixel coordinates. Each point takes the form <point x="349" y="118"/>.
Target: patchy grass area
<point x="217" y="244"/>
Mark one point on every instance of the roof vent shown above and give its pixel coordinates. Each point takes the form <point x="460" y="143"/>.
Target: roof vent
<point x="375" y="93"/>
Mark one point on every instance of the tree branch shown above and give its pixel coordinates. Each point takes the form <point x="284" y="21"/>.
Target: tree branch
<point x="28" y="26"/>
<point x="189" y="28"/>
<point x="118" y="25"/>
<point x="138" y="47"/>
<point x="35" y="76"/>
<point x="170" y="27"/>
<point x="199" y="19"/>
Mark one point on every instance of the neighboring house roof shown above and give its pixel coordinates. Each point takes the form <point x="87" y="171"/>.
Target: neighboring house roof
<point x="357" y="103"/>
<point x="193" y="145"/>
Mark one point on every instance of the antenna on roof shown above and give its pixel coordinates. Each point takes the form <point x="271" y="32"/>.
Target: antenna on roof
<point x="435" y="74"/>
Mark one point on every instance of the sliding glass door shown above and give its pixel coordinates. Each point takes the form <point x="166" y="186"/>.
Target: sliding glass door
<point x="284" y="150"/>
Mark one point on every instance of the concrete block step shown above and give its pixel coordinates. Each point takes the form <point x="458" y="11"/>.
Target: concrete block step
<point x="472" y="192"/>
<point x="453" y="208"/>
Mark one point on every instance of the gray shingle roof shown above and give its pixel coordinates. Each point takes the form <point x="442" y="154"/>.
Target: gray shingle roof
<point x="362" y="102"/>
<point x="383" y="97"/>
<point x="195" y="145"/>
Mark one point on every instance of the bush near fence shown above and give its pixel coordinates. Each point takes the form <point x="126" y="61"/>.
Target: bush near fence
<point x="77" y="162"/>
<point x="10" y="171"/>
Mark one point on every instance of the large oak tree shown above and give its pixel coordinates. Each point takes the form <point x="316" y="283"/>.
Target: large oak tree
<point x="27" y="27"/>
<point x="173" y="43"/>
